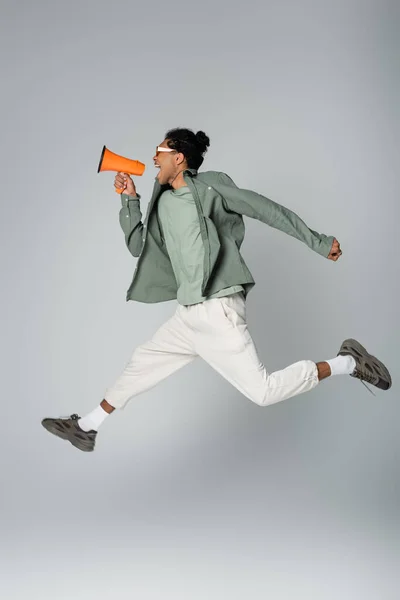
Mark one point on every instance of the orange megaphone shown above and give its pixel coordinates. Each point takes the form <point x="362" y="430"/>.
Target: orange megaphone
<point x="114" y="162"/>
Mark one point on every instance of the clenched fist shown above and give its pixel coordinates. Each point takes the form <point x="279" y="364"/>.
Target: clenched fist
<point x="335" y="252"/>
<point x="124" y="182"/>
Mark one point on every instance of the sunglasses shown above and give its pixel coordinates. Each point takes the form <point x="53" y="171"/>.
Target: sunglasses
<point x="161" y="149"/>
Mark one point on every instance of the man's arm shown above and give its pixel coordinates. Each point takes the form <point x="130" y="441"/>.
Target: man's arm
<point x="256" y="206"/>
<point x="130" y="219"/>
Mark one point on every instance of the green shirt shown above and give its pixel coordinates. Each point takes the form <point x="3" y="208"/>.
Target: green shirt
<point x="180" y="227"/>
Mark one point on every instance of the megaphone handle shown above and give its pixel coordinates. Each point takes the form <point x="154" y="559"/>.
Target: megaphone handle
<point x="119" y="191"/>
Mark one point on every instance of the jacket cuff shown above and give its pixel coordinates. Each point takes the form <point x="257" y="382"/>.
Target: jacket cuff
<point x="326" y="245"/>
<point x="125" y="198"/>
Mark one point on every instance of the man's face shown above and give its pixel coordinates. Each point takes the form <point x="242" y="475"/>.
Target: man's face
<point x="169" y="163"/>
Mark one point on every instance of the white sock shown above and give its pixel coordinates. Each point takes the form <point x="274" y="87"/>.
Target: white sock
<point x="342" y="365"/>
<point x="93" y="420"/>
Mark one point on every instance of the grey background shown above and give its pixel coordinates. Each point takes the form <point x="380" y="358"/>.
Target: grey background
<point x="193" y="491"/>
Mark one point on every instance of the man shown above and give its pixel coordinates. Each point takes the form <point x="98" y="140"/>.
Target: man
<point x="188" y="249"/>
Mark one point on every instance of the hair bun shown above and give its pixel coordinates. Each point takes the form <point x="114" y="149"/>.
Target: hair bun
<point x="202" y="139"/>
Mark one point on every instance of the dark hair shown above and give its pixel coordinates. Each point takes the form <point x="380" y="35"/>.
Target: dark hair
<point x="192" y="145"/>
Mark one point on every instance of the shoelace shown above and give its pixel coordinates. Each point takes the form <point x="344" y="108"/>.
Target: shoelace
<point x="358" y="375"/>
<point x="365" y="385"/>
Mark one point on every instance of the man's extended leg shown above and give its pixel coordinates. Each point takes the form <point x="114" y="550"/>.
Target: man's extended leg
<point x="170" y="349"/>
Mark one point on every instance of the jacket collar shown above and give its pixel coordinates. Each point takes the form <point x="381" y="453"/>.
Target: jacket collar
<point x="191" y="171"/>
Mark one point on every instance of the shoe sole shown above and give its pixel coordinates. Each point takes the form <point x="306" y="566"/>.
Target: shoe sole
<point x="379" y="369"/>
<point x="51" y="427"/>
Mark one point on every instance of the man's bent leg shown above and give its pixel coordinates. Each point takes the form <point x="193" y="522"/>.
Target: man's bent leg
<point x="224" y="341"/>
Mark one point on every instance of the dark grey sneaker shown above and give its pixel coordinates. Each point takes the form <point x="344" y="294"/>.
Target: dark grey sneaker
<point x="368" y="368"/>
<point x="67" y="428"/>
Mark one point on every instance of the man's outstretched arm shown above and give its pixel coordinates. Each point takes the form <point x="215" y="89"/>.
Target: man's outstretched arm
<point x="256" y="206"/>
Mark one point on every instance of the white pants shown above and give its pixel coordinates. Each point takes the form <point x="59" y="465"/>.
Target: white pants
<point x="216" y="330"/>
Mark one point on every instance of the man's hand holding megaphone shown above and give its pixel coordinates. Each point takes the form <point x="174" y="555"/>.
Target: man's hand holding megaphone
<point x="125" y="183"/>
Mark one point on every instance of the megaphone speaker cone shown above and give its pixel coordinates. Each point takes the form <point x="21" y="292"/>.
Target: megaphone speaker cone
<point x="109" y="161"/>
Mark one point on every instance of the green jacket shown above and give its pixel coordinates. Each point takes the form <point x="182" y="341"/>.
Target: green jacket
<point x="221" y="206"/>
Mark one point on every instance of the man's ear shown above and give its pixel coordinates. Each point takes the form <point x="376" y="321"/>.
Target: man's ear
<point x="180" y="158"/>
